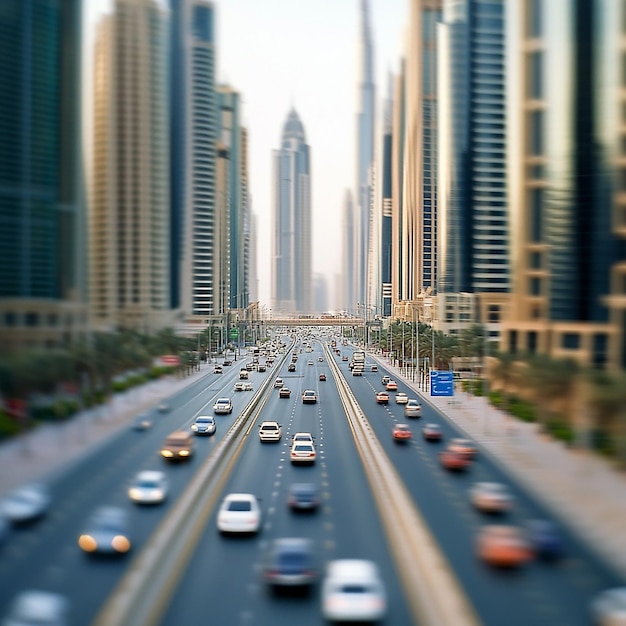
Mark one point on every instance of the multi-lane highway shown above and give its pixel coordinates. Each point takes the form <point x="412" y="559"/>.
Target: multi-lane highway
<point x="222" y="582"/>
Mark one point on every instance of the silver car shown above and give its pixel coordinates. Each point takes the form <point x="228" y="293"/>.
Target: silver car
<point x="412" y="408"/>
<point x="204" y="425"/>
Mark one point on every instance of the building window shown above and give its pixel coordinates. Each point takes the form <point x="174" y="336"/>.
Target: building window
<point x="10" y="319"/>
<point x="53" y="319"/>
<point x="536" y="133"/>
<point x="534" y="24"/>
<point x="535" y="75"/>
<point x="493" y="313"/>
<point x="535" y="313"/>
<point x="535" y="286"/>
<point x="513" y="341"/>
<point x="570" y="341"/>
<point x="31" y="319"/>
<point x="202" y="23"/>
<point x="536" y="212"/>
<point x="599" y="356"/>
<point x="535" y="260"/>
<point x="531" y="341"/>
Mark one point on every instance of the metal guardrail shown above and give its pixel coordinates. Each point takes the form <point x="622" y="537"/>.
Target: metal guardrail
<point x="144" y="592"/>
<point x="434" y="594"/>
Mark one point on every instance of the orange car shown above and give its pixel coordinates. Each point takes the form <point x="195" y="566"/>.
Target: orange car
<point x="392" y="385"/>
<point x="452" y="460"/>
<point x="503" y="546"/>
<point x="382" y="397"/>
<point x="463" y="446"/>
<point x="401" y="432"/>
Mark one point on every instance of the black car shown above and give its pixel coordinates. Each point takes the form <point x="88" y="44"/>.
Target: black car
<point x="303" y="497"/>
<point x="290" y="564"/>
<point x="291" y="368"/>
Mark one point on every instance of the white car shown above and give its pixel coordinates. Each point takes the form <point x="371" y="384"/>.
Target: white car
<point x="278" y="383"/>
<point x="302" y="437"/>
<point x="25" y="504"/>
<point x="302" y="452"/>
<point x="412" y="408"/>
<point x="401" y="398"/>
<point x="491" y="497"/>
<point x="309" y="396"/>
<point x="239" y="513"/>
<point x="270" y="431"/>
<point x="609" y="608"/>
<point x="247" y="386"/>
<point x="43" y="608"/>
<point x="223" y="406"/>
<point x="352" y="590"/>
<point x="238" y="387"/>
<point x="149" y="487"/>
<point x="204" y="425"/>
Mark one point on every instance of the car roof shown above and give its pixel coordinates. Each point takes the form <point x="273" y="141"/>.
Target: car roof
<point x="223" y="400"/>
<point x="37" y="604"/>
<point x="150" y="475"/>
<point x="205" y="418"/>
<point x="352" y="569"/>
<point x="269" y="423"/>
<point x="240" y="496"/>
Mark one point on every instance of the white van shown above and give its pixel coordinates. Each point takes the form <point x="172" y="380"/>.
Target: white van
<point x="243" y="374"/>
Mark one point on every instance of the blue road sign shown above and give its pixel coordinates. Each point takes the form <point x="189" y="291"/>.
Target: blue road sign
<point x="441" y="383"/>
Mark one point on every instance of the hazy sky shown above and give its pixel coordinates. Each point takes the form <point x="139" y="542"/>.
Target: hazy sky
<point x="279" y="53"/>
<point x="304" y="53"/>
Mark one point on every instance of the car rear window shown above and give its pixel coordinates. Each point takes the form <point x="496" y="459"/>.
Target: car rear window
<point x="270" y="427"/>
<point x="302" y="448"/>
<point x="239" y="505"/>
<point x="354" y="588"/>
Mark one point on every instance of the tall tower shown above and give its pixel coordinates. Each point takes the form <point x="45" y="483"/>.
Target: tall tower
<point x="42" y="208"/>
<point x="129" y="226"/>
<point x="386" y="199"/>
<point x="365" y="159"/>
<point x="473" y="246"/>
<point x="196" y="268"/>
<point x="346" y="296"/>
<point x="418" y="225"/>
<point x="567" y="173"/>
<point x="292" y="279"/>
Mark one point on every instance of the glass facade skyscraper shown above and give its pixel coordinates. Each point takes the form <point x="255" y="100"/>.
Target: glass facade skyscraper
<point x="42" y="206"/>
<point x="292" y="278"/>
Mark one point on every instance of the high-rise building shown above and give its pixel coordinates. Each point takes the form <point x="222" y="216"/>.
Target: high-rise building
<point x="566" y="165"/>
<point x="197" y="269"/>
<point x="253" y="259"/>
<point x="347" y="293"/>
<point x="292" y="284"/>
<point x="385" y="194"/>
<point x="472" y="213"/>
<point x="129" y="198"/>
<point x="417" y="226"/>
<point x="320" y="294"/>
<point x="42" y="206"/>
<point x="365" y="161"/>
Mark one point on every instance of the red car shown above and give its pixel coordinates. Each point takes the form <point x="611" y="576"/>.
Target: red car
<point x="454" y="461"/>
<point x="432" y="432"/>
<point x="392" y="385"/>
<point x="382" y="397"/>
<point x="401" y="432"/>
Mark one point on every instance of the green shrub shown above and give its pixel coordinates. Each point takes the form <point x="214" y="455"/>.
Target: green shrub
<point x="496" y="398"/>
<point x="522" y="410"/>
<point x="9" y="426"/>
<point x="478" y="387"/>
<point x="561" y="431"/>
<point x="119" y="386"/>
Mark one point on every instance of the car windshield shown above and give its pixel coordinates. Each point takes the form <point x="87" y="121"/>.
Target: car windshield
<point x="148" y="483"/>
<point x="240" y="505"/>
<point x="204" y="420"/>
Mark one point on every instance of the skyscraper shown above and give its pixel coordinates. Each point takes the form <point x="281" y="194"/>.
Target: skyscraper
<point x="292" y="280"/>
<point x="472" y="208"/>
<point x="417" y="224"/>
<point x="386" y="199"/>
<point x="365" y="160"/>
<point x="129" y="203"/>
<point x="347" y="293"/>
<point x="42" y="205"/>
<point x="568" y="224"/>
<point x="234" y="137"/>
<point x="196" y="268"/>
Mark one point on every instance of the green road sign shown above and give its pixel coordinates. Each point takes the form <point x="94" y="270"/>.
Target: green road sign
<point x="233" y="333"/>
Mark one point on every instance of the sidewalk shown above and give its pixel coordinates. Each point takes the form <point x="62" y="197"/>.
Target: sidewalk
<point x="48" y="449"/>
<point x="579" y="486"/>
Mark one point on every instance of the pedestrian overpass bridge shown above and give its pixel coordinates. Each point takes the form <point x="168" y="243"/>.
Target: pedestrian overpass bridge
<point x="311" y="321"/>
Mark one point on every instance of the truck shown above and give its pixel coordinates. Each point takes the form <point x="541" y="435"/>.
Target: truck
<point x="358" y="360"/>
